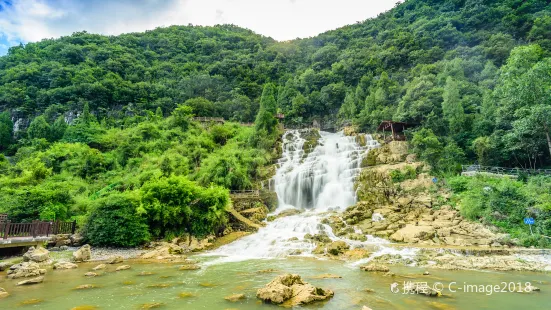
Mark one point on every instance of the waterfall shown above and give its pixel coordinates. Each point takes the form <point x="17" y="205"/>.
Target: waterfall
<point x="321" y="180"/>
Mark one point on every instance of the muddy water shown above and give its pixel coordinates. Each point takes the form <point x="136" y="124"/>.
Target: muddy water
<point x="206" y="288"/>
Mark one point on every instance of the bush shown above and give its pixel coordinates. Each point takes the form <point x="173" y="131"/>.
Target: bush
<point x="176" y="205"/>
<point x="408" y="173"/>
<point x="115" y="222"/>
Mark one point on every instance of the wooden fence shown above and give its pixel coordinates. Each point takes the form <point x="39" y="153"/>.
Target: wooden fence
<point x="503" y="170"/>
<point x="35" y="229"/>
<point x="245" y="193"/>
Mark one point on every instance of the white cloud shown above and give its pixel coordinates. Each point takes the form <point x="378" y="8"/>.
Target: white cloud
<point x="32" y="20"/>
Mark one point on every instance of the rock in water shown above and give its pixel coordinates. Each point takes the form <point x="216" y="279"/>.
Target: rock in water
<point x="337" y="247"/>
<point x="99" y="267"/>
<point x="117" y="259"/>
<point x="83" y="254"/>
<point x="123" y="267"/>
<point x="90" y="274"/>
<point x="37" y="255"/>
<point x="375" y="268"/>
<point x="32" y="281"/>
<point x="291" y="290"/>
<point x="3" y="293"/>
<point x="65" y="265"/>
<point x="25" y="270"/>
<point x="235" y="297"/>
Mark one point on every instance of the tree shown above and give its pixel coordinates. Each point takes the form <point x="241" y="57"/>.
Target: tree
<point x="39" y="129"/>
<point x="426" y="146"/>
<point x="6" y="131"/>
<point x="265" y="119"/>
<point x="201" y="107"/>
<point x="452" y="107"/>
<point x="348" y="108"/>
<point x="58" y="128"/>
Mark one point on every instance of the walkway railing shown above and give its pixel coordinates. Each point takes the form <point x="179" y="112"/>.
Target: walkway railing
<point x="246" y="193"/>
<point x="209" y="119"/>
<point x="503" y="170"/>
<point x="35" y="229"/>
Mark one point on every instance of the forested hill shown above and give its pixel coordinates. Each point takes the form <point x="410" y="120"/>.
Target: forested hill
<point x="445" y="65"/>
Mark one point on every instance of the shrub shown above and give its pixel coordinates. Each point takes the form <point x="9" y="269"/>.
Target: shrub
<point x="115" y="222"/>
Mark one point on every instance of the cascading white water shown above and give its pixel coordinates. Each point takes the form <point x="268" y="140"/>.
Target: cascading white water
<point x="322" y="180"/>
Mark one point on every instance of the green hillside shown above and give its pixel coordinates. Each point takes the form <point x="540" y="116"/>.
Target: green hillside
<point x="89" y="120"/>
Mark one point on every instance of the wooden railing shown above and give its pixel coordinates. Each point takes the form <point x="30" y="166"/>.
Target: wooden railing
<point x="35" y="229"/>
<point x="503" y="170"/>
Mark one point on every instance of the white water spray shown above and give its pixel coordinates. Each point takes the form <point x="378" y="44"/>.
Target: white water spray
<point x="321" y="181"/>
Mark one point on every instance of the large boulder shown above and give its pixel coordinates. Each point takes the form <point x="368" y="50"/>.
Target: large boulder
<point x="37" y="255"/>
<point x="413" y="234"/>
<point x="32" y="281"/>
<point x="65" y="265"/>
<point x="289" y="289"/>
<point x="25" y="270"/>
<point x="83" y="254"/>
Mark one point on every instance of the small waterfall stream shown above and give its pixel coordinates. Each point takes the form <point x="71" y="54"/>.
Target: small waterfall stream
<point x="317" y="182"/>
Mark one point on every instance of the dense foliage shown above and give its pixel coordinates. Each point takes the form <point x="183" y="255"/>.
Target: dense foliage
<point x="505" y="203"/>
<point x="87" y="115"/>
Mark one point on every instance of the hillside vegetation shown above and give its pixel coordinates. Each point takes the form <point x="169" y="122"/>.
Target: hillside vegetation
<point x="88" y="116"/>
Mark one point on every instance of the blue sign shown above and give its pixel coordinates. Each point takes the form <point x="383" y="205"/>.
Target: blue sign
<point x="529" y="221"/>
<point x="434" y="180"/>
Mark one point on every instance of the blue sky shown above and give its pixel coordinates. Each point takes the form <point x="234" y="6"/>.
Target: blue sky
<point x="33" y="20"/>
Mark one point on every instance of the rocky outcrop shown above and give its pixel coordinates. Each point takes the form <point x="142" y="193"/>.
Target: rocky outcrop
<point x="65" y="265"/>
<point x="413" y="234"/>
<point x="37" y="255"/>
<point x="290" y="290"/>
<point x="83" y="254"/>
<point x="31" y="281"/>
<point x="25" y="270"/>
